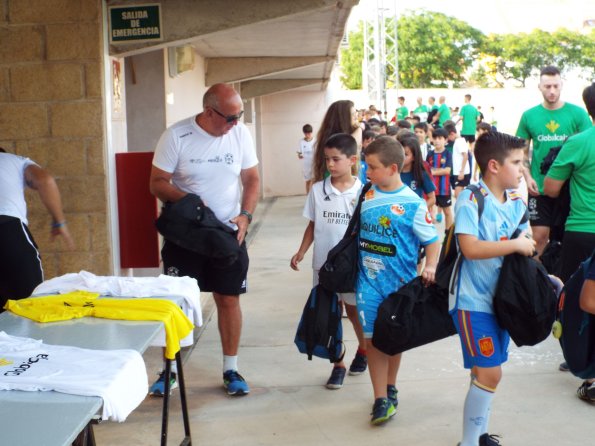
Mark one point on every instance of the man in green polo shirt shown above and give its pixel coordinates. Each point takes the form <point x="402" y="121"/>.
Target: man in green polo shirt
<point x="443" y="112"/>
<point x="469" y="115"/>
<point x="421" y="110"/>
<point x="547" y="125"/>
<point x="402" y="111"/>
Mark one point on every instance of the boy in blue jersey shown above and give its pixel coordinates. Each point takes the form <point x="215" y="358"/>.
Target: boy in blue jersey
<point x="440" y="161"/>
<point x="394" y="221"/>
<point x="483" y="243"/>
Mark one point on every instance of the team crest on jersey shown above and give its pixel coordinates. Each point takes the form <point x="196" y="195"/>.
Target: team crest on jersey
<point x="428" y="217"/>
<point x="552" y="126"/>
<point x="228" y="158"/>
<point x="486" y="346"/>
<point x="370" y="194"/>
<point x="442" y="160"/>
<point x="384" y="221"/>
<point x="397" y="209"/>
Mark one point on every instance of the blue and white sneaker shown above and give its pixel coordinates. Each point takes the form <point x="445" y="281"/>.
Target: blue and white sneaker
<point x="335" y="381"/>
<point x="391" y="395"/>
<point x="158" y="387"/>
<point x="235" y="383"/>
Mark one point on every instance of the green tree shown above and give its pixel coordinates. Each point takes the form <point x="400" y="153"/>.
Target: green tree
<point x="435" y="49"/>
<point x="352" y="59"/>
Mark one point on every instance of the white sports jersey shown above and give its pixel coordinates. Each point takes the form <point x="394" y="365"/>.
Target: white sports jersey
<point x="330" y="210"/>
<point x="12" y="185"/>
<point x="206" y="165"/>
<point x="459" y="148"/>
<point x="117" y="376"/>
<point x="307" y="151"/>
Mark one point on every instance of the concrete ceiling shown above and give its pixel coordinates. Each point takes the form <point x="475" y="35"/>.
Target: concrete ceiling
<point x="266" y="45"/>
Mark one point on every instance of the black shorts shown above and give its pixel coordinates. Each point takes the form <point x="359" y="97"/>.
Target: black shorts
<point x="469" y="138"/>
<point x="229" y="280"/>
<point x="20" y="263"/>
<point x="443" y="201"/>
<point x="541" y="210"/>
<point x="455" y="182"/>
<point x="576" y="247"/>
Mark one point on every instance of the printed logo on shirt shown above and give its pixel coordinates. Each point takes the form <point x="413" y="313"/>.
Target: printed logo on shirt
<point x="428" y="217"/>
<point x="372" y="267"/>
<point x="381" y="229"/>
<point x="442" y="160"/>
<point x="26" y="365"/>
<point x="413" y="185"/>
<point x="552" y="126"/>
<point x="228" y="158"/>
<point x="336" y="218"/>
<point x="382" y="249"/>
<point x="384" y="221"/>
<point x="185" y="134"/>
<point x="370" y="194"/>
<point x="397" y="209"/>
<point x="486" y="346"/>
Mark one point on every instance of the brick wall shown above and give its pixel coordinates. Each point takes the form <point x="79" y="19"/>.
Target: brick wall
<point x="51" y="110"/>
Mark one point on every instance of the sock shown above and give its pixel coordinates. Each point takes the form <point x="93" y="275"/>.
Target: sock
<point x="487" y="421"/>
<point x="361" y="351"/>
<point x="477" y="408"/>
<point x="230" y="363"/>
<point x="173" y="367"/>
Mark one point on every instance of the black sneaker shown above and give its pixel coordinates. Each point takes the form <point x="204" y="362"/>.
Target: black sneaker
<point x="564" y="367"/>
<point x="586" y="392"/>
<point x="359" y="364"/>
<point x="488" y="440"/>
<point x="391" y="395"/>
<point x="382" y="411"/>
<point x="336" y="379"/>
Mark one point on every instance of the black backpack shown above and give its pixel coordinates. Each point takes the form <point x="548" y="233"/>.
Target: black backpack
<point x="412" y="316"/>
<point x="449" y="254"/>
<point x="320" y="332"/>
<point x="339" y="271"/>
<point x="525" y="300"/>
<point x="577" y="337"/>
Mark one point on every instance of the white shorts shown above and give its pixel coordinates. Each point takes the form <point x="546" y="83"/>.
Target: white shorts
<point x="348" y="298"/>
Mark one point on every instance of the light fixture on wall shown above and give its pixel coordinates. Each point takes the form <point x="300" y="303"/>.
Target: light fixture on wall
<point x="180" y="59"/>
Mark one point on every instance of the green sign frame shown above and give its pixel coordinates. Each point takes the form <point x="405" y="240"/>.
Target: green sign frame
<point x="137" y="23"/>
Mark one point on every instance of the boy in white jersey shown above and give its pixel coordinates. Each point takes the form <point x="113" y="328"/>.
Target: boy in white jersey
<point x="306" y="153"/>
<point x="483" y="243"/>
<point x="329" y="207"/>
<point x="394" y="221"/>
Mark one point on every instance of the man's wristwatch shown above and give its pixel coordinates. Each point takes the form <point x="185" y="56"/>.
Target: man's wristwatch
<point x="247" y="214"/>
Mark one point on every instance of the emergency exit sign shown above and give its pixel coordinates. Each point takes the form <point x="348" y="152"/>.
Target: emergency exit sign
<point x="135" y="23"/>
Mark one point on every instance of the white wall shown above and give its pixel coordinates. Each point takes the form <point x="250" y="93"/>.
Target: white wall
<point x="282" y="117"/>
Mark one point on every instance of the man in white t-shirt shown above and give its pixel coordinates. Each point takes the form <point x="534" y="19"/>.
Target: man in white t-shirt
<point x="461" y="163"/>
<point x="209" y="155"/>
<point x="20" y="262"/>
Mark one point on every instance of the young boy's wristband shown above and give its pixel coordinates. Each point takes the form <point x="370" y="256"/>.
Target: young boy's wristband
<point x="58" y="224"/>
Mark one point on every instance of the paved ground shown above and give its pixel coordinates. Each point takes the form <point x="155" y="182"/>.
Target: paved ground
<point x="288" y="405"/>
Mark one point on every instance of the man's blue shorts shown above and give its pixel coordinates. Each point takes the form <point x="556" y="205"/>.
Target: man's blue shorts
<point x="484" y="343"/>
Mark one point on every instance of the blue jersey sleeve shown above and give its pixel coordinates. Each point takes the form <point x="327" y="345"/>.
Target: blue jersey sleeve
<point x="466" y="214"/>
<point x="422" y="225"/>
<point x="591" y="271"/>
<point x="428" y="185"/>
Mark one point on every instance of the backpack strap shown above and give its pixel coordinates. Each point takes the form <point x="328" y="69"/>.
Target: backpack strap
<point x="353" y="225"/>
<point x="479" y="198"/>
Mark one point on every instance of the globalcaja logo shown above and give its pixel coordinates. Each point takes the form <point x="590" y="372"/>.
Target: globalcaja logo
<point x="5" y="362"/>
<point x="552" y="126"/>
<point x="26" y="365"/>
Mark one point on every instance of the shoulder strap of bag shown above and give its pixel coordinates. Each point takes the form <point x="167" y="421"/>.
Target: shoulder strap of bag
<point x="353" y="225"/>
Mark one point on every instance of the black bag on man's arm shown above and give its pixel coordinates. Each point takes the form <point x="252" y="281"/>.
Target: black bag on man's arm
<point x="339" y="272"/>
<point x="320" y="332"/>
<point x="525" y="300"/>
<point x="577" y="336"/>
<point x="414" y="315"/>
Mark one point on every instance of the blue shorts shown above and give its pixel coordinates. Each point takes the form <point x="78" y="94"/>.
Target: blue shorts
<point x="367" y="310"/>
<point x="484" y="343"/>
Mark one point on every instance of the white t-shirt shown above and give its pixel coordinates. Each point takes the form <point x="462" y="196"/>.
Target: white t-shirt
<point x="307" y="151"/>
<point x="330" y="216"/>
<point x="459" y="148"/>
<point x="12" y="185"/>
<point x="117" y="376"/>
<point x="207" y="165"/>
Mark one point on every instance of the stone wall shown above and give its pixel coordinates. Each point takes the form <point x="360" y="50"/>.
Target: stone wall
<point x="51" y="110"/>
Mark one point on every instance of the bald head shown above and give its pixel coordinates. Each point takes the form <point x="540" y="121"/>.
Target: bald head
<point x="220" y="95"/>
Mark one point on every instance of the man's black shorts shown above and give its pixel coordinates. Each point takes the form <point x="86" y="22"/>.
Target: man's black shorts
<point x="443" y="201"/>
<point x="469" y="138"/>
<point x="541" y="210"/>
<point x="455" y="182"/>
<point x="229" y="280"/>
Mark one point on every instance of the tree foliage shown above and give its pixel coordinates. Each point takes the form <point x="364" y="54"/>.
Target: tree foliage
<point x="436" y="50"/>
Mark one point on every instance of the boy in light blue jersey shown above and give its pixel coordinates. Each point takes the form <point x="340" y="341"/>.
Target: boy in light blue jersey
<point x="394" y="221"/>
<point x="483" y="243"/>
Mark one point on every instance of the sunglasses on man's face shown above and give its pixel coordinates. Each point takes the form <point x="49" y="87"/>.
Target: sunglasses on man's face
<point x="231" y="118"/>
